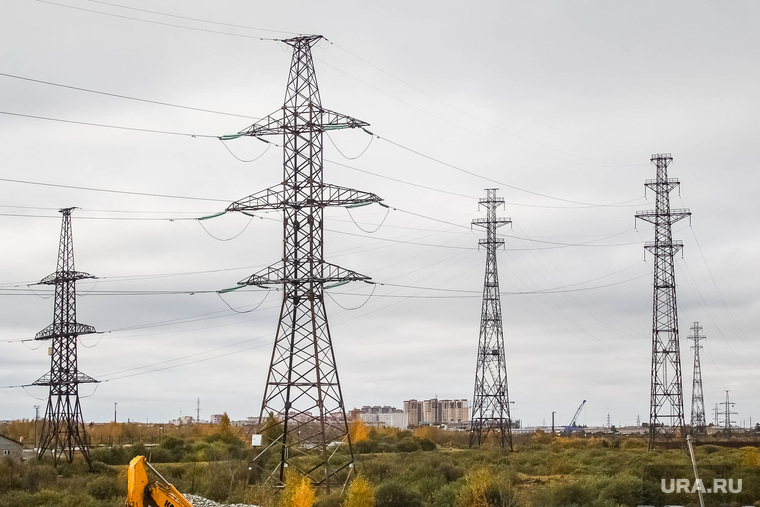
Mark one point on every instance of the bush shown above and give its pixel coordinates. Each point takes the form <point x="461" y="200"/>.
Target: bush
<point x="408" y="444"/>
<point x="393" y="494"/>
<point x="104" y="488"/>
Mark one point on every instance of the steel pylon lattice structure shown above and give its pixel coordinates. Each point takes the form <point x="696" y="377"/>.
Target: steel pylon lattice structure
<point x="490" y="401"/>
<point x="666" y="413"/>
<point x="303" y="390"/>
<point x="727" y="413"/>
<point x="698" y="421"/>
<point x="63" y="430"/>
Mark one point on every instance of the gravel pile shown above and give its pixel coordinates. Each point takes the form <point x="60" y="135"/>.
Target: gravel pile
<point x="199" y="501"/>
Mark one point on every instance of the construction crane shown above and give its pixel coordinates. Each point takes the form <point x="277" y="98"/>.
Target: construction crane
<point x="573" y="426"/>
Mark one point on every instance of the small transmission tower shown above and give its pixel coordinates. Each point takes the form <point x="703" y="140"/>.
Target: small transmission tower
<point x="303" y="392"/>
<point x="490" y="402"/>
<point x="698" y="421"/>
<point x="666" y="417"/>
<point x="727" y="413"/>
<point x="63" y="429"/>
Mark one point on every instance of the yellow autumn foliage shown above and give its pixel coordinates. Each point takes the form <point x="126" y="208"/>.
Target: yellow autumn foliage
<point x="298" y="491"/>
<point x="360" y="493"/>
<point x="358" y="431"/>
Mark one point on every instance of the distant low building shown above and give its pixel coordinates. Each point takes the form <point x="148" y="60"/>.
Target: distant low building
<point x="215" y="418"/>
<point x="10" y="448"/>
<point x="397" y="419"/>
<point x="182" y="420"/>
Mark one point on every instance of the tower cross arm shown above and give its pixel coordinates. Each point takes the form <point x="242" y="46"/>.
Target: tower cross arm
<point x="309" y="117"/>
<point x="64" y="276"/>
<point x="58" y="329"/>
<point x="81" y="378"/>
<point x="672" y="216"/>
<point x="334" y="195"/>
<point x="498" y="222"/>
<point x="268" y="199"/>
<point x="324" y="272"/>
<point x="324" y="195"/>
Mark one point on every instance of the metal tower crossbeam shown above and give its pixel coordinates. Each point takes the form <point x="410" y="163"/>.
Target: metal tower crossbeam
<point x="666" y="414"/>
<point x="303" y="390"/>
<point x="698" y="421"/>
<point x="63" y="429"/>
<point x="490" y="401"/>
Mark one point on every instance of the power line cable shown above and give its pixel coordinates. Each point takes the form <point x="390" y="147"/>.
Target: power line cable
<point x="104" y="125"/>
<point x="110" y="191"/>
<point x="486" y="178"/>
<point x="127" y="97"/>
<point x="232" y="25"/>
<point x="467" y="113"/>
<point x="161" y="23"/>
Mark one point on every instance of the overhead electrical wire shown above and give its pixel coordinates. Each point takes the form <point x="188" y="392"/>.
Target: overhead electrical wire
<point x="104" y="125"/>
<point x="507" y="185"/>
<point x="232" y="25"/>
<point x="161" y="23"/>
<point x="254" y="28"/>
<point x="127" y="97"/>
<point x="111" y="191"/>
<point x="468" y="113"/>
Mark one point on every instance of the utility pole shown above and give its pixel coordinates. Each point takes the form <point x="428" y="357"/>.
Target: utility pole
<point x="63" y="429"/>
<point x="698" y="421"/>
<point x="666" y="415"/>
<point x="727" y="413"/>
<point x="553" y="412"/>
<point x="490" y="405"/>
<point x="302" y="397"/>
<point x="36" y="418"/>
<point x="114" y="411"/>
<point x="198" y="410"/>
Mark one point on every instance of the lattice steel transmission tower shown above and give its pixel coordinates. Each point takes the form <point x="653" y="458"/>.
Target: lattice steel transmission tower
<point x="63" y="429"/>
<point x="698" y="421"/>
<point x="727" y="413"/>
<point x="490" y="402"/>
<point x="303" y="390"/>
<point x="666" y="414"/>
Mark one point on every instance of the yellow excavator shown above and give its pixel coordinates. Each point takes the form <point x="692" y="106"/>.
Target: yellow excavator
<point x="141" y="493"/>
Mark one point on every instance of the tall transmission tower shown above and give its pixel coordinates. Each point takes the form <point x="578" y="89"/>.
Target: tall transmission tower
<point x="727" y="413"/>
<point x="490" y="402"/>
<point x="666" y="414"/>
<point x="63" y="429"/>
<point x="698" y="421"/>
<point x="303" y="391"/>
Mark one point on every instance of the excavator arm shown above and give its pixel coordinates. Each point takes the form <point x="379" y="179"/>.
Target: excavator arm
<point x="141" y="493"/>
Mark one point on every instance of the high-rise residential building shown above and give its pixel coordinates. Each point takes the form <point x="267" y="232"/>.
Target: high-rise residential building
<point x="413" y="410"/>
<point x="435" y="411"/>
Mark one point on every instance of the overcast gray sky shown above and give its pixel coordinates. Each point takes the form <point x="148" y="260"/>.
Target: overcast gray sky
<point x="559" y="104"/>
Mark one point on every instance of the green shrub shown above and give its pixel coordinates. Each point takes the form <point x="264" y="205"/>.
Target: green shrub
<point x="408" y="444"/>
<point x="104" y="488"/>
<point x="394" y="494"/>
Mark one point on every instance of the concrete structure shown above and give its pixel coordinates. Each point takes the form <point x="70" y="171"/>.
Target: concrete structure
<point x="397" y="419"/>
<point x="413" y="411"/>
<point x="435" y="412"/>
<point x="10" y="448"/>
<point x="455" y="411"/>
